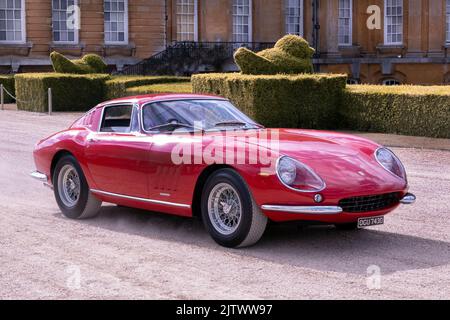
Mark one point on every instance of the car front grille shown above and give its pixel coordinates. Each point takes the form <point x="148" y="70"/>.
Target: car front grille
<point x="369" y="203"/>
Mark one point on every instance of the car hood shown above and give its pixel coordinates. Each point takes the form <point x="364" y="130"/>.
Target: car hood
<point x="341" y="160"/>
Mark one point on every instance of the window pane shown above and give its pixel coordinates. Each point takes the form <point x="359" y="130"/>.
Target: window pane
<point x="345" y="22"/>
<point x="294" y="17"/>
<point x="11" y="20"/>
<point x="186" y="20"/>
<point x="62" y="31"/>
<point x="241" y="21"/>
<point x="115" y="13"/>
<point x="393" y="21"/>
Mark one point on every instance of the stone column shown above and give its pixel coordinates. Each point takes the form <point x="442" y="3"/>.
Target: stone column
<point x="414" y="40"/>
<point x="331" y="33"/>
<point x="436" y="28"/>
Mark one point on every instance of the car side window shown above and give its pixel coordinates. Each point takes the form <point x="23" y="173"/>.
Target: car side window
<point x="135" y="119"/>
<point x="116" y="119"/>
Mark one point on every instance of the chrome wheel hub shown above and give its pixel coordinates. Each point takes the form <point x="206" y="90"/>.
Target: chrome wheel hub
<point x="224" y="208"/>
<point x="69" y="186"/>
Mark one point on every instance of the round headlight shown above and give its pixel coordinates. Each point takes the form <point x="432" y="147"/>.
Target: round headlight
<point x="287" y="170"/>
<point x="390" y="162"/>
<point x="298" y="176"/>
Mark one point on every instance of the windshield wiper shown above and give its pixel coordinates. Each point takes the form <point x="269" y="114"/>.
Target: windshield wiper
<point x="238" y="123"/>
<point x="230" y="123"/>
<point x="174" y="125"/>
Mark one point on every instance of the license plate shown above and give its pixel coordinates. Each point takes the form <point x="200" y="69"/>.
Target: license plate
<point x="372" y="221"/>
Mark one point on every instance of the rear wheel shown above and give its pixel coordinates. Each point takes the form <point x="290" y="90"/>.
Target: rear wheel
<point x="229" y="212"/>
<point x="347" y="226"/>
<point x="72" y="191"/>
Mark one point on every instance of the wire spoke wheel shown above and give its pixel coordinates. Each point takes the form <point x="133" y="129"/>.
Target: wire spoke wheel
<point x="69" y="185"/>
<point x="224" y="208"/>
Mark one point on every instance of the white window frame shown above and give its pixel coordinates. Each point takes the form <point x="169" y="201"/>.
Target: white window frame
<point x="250" y="21"/>
<point x="76" y="31"/>
<point x="22" y="26"/>
<point x="350" y="27"/>
<point x="125" y="21"/>
<point x="447" y="21"/>
<point x="391" y="82"/>
<point x="386" y="42"/>
<point x="195" y="20"/>
<point x="301" y="17"/>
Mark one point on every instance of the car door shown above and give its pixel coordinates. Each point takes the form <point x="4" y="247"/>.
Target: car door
<point x="169" y="180"/>
<point x="118" y="154"/>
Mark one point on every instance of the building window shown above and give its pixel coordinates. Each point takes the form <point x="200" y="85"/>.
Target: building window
<point x="294" y="17"/>
<point x="12" y="21"/>
<point x="393" y="22"/>
<point x="391" y="82"/>
<point x="345" y="27"/>
<point x="63" y="25"/>
<point x="448" y="21"/>
<point x="242" y="20"/>
<point x="116" y="21"/>
<point x="187" y="26"/>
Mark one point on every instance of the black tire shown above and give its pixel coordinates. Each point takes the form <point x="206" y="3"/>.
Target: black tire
<point x="252" y="223"/>
<point x="347" y="226"/>
<point x="87" y="205"/>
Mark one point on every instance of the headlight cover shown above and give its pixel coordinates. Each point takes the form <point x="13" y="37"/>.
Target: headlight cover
<point x="298" y="176"/>
<point x="389" y="161"/>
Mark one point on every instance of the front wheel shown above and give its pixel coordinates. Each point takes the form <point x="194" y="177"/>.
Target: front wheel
<point x="229" y="212"/>
<point x="72" y="191"/>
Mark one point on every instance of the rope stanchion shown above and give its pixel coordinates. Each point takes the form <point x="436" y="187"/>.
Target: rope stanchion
<point x="1" y="97"/>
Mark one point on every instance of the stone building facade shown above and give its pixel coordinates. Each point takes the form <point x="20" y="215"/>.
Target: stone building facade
<point x="373" y="41"/>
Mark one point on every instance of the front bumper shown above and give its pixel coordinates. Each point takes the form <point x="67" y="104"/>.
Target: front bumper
<point x="39" y="176"/>
<point x="303" y="209"/>
<point x="42" y="178"/>
<point x="322" y="210"/>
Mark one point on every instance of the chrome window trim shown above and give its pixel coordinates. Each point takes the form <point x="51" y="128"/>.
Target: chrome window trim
<point x="166" y="203"/>
<point x="295" y="189"/>
<point x="115" y="104"/>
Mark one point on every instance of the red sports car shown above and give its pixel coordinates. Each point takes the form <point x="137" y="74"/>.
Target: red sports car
<point x="199" y="155"/>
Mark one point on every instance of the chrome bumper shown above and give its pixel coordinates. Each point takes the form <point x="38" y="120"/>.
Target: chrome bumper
<point x="408" y="199"/>
<point x="39" y="176"/>
<point x="303" y="209"/>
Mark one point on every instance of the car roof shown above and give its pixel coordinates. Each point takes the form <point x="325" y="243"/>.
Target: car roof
<point x="142" y="99"/>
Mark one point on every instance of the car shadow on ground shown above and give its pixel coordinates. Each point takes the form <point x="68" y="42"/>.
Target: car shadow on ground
<point x="321" y="248"/>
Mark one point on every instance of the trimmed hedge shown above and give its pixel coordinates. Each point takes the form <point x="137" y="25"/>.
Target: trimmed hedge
<point x="90" y="63"/>
<point x="70" y="92"/>
<point x="181" y="87"/>
<point x="407" y="110"/>
<point x="117" y="86"/>
<point x="291" y="55"/>
<point x="8" y="84"/>
<point x="300" y="101"/>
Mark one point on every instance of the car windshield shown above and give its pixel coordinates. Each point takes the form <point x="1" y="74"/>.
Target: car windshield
<point x="201" y="114"/>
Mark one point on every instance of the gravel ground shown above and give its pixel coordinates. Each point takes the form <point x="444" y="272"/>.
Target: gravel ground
<point x="126" y="253"/>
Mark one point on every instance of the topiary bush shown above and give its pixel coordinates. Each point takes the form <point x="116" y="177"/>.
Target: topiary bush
<point x="90" y="63"/>
<point x="180" y="87"/>
<point x="407" y="110"/>
<point x="287" y="101"/>
<point x="117" y="86"/>
<point x="291" y="55"/>
<point x="8" y="84"/>
<point x="70" y="92"/>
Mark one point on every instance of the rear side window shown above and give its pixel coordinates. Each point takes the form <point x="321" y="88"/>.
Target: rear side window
<point x="116" y="119"/>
